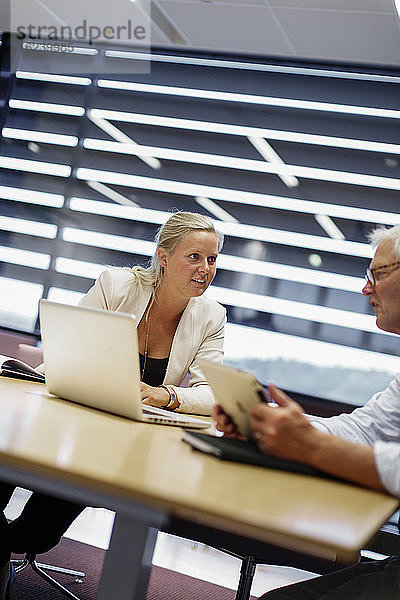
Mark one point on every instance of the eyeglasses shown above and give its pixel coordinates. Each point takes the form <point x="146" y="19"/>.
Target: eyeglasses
<point x="372" y="276"/>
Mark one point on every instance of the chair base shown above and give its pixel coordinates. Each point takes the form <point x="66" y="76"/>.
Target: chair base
<point x="247" y="572"/>
<point x="30" y="559"/>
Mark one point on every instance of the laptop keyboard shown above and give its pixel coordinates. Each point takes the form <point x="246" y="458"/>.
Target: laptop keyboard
<point x="159" y="415"/>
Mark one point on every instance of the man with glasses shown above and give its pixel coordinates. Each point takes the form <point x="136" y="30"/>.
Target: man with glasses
<point x="362" y="447"/>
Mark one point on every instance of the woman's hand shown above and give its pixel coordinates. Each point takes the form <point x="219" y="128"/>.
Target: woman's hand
<point x="155" y="396"/>
<point x="224" y="423"/>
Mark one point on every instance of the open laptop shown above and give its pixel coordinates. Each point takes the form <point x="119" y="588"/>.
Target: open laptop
<point x="235" y="391"/>
<point x="91" y="357"/>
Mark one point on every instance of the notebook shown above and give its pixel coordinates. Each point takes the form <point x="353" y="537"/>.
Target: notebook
<point x="246" y="452"/>
<point x="235" y="391"/>
<point x="91" y="357"/>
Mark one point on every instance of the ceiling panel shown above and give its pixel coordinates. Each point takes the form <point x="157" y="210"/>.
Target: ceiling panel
<point x="340" y="34"/>
<point x="347" y="31"/>
<point x="352" y="32"/>
<point x="74" y="11"/>
<point x="231" y="2"/>
<point x="361" y="5"/>
<point x="228" y="27"/>
<point x="158" y="37"/>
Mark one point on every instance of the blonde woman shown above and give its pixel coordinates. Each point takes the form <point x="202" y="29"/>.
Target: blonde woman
<point x="177" y="325"/>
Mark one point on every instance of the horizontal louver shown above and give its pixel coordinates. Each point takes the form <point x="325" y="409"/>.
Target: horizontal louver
<point x="295" y="165"/>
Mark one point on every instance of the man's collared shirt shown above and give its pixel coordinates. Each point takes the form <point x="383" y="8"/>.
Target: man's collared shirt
<point x="376" y="424"/>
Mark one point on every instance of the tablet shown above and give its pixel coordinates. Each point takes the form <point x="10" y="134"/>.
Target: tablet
<point x="235" y="391"/>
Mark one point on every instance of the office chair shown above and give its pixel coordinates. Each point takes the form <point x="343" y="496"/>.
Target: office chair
<point x="30" y="560"/>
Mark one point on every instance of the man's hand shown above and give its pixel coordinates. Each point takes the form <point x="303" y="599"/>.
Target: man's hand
<point x="224" y="423"/>
<point x="283" y="430"/>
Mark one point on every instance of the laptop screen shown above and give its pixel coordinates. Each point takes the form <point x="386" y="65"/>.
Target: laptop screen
<point x="91" y="357"/>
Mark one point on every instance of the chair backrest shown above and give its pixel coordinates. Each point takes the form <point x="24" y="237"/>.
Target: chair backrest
<point x="31" y="355"/>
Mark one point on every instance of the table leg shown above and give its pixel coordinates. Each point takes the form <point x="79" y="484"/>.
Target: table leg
<point x="127" y="563"/>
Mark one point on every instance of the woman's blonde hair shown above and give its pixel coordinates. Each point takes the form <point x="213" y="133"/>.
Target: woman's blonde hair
<point x="169" y="236"/>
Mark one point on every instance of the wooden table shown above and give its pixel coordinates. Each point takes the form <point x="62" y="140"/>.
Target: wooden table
<point x="145" y="473"/>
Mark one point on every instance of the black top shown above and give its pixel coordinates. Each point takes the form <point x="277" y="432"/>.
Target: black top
<point x="155" y="370"/>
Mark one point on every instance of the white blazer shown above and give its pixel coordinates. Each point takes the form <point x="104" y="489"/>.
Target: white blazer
<point x="199" y="335"/>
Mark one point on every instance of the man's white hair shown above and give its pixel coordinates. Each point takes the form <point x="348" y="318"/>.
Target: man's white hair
<point x="381" y="234"/>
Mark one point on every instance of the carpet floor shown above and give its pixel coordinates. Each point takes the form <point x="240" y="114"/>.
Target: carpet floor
<point x="164" y="584"/>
